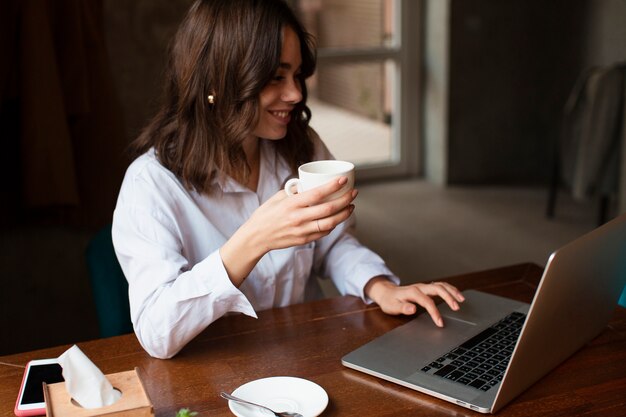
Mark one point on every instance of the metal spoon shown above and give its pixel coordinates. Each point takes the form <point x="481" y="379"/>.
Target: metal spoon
<point x="278" y="414"/>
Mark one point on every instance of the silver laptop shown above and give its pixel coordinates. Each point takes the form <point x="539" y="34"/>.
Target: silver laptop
<point x="494" y="348"/>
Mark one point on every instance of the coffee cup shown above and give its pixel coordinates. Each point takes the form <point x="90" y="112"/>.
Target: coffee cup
<point x="316" y="173"/>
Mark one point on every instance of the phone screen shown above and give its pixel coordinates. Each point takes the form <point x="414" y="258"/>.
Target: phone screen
<point x="37" y="375"/>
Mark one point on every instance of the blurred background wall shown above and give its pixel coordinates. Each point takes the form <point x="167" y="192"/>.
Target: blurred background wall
<point x="497" y="78"/>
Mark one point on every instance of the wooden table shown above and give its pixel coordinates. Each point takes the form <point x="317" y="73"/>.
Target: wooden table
<point x="308" y="341"/>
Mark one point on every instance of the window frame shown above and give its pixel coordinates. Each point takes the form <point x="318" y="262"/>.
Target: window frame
<point x="404" y="51"/>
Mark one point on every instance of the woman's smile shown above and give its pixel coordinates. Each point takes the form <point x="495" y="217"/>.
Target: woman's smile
<point x="279" y="97"/>
<point x="283" y="116"/>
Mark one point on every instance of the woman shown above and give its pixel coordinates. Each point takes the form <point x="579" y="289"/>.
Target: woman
<point x="202" y="227"/>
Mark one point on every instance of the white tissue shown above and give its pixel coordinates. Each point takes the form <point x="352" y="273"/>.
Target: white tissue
<point x="85" y="383"/>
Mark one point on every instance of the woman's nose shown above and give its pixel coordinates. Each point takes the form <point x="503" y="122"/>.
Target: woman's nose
<point x="292" y="92"/>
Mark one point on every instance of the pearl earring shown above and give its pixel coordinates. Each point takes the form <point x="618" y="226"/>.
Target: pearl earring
<point x="211" y="99"/>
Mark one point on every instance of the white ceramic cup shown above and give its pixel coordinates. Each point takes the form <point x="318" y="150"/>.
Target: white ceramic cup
<point x="316" y="173"/>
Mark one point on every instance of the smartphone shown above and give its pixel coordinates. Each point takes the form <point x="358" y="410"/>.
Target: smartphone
<point x="30" y="400"/>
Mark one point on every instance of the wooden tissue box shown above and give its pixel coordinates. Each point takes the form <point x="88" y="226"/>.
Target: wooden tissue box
<point x="134" y="401"/>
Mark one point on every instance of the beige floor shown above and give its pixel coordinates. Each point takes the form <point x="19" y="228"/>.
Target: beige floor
<point x="423" y="231"/>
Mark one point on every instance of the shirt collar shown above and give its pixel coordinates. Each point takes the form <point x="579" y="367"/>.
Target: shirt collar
<point x="274" y="172"/>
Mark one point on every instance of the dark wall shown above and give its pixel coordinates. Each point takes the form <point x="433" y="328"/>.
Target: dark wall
<point x="116" y="78"/>
<point x="137" y="35"/>
<point x="62" y="127"/>
<point x="512" y="64"/>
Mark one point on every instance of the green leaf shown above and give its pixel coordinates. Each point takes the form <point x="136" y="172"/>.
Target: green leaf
<point x="185" y="412"/>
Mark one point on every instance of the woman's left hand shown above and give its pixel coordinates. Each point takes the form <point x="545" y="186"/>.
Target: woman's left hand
<point x="394" y="299"/>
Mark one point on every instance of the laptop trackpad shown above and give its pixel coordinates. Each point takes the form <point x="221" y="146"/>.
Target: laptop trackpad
<point x="406" y="349"/>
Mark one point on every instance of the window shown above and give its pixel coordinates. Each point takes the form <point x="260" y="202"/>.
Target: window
<point x="364" y="94"/>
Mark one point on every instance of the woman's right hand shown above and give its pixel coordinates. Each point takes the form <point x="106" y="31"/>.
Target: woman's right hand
<point x="284" y="221"/>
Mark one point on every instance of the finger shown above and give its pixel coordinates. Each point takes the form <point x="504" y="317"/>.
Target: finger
<point x="329" y="208"/>
<point x="397" y="303"/>
<point x="316" y="227"/>
<point x="407" y="308"/>
<point x="427" y="303"/>
<point x="441" y="291"/>
<point x="318" y="194"/>
<point x="327" y="224"/>
<point x="322" y="227"/>
<point x="458" y="295"/>
<point x="400" y="307"/>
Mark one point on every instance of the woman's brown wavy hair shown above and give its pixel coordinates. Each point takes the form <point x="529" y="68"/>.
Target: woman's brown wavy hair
<point x="231" y="49"/>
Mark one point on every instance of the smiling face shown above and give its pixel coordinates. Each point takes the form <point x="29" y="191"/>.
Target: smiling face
<point x="279" y="97"/>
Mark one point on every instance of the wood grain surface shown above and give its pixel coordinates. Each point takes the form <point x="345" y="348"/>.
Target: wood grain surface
<point x="308" y="340"/>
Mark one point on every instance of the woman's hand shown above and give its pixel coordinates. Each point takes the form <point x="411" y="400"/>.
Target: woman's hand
<point x="394" y="299"/>
<point x="285" y="221"/>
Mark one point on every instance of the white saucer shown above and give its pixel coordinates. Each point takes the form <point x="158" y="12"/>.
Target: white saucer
<point x="280" y="393"/>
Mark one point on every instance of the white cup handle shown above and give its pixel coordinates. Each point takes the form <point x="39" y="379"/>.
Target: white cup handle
<point x="290" y="184"/>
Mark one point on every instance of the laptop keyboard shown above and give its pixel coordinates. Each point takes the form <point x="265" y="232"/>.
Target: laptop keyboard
<point x="481" y="361"/>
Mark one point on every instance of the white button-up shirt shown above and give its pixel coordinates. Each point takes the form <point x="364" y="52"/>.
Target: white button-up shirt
<point x="167" y="240"/>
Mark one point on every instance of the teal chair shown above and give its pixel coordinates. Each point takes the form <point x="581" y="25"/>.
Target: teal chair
<point x="109" y="286"/>
<point x="622" y="299"/>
